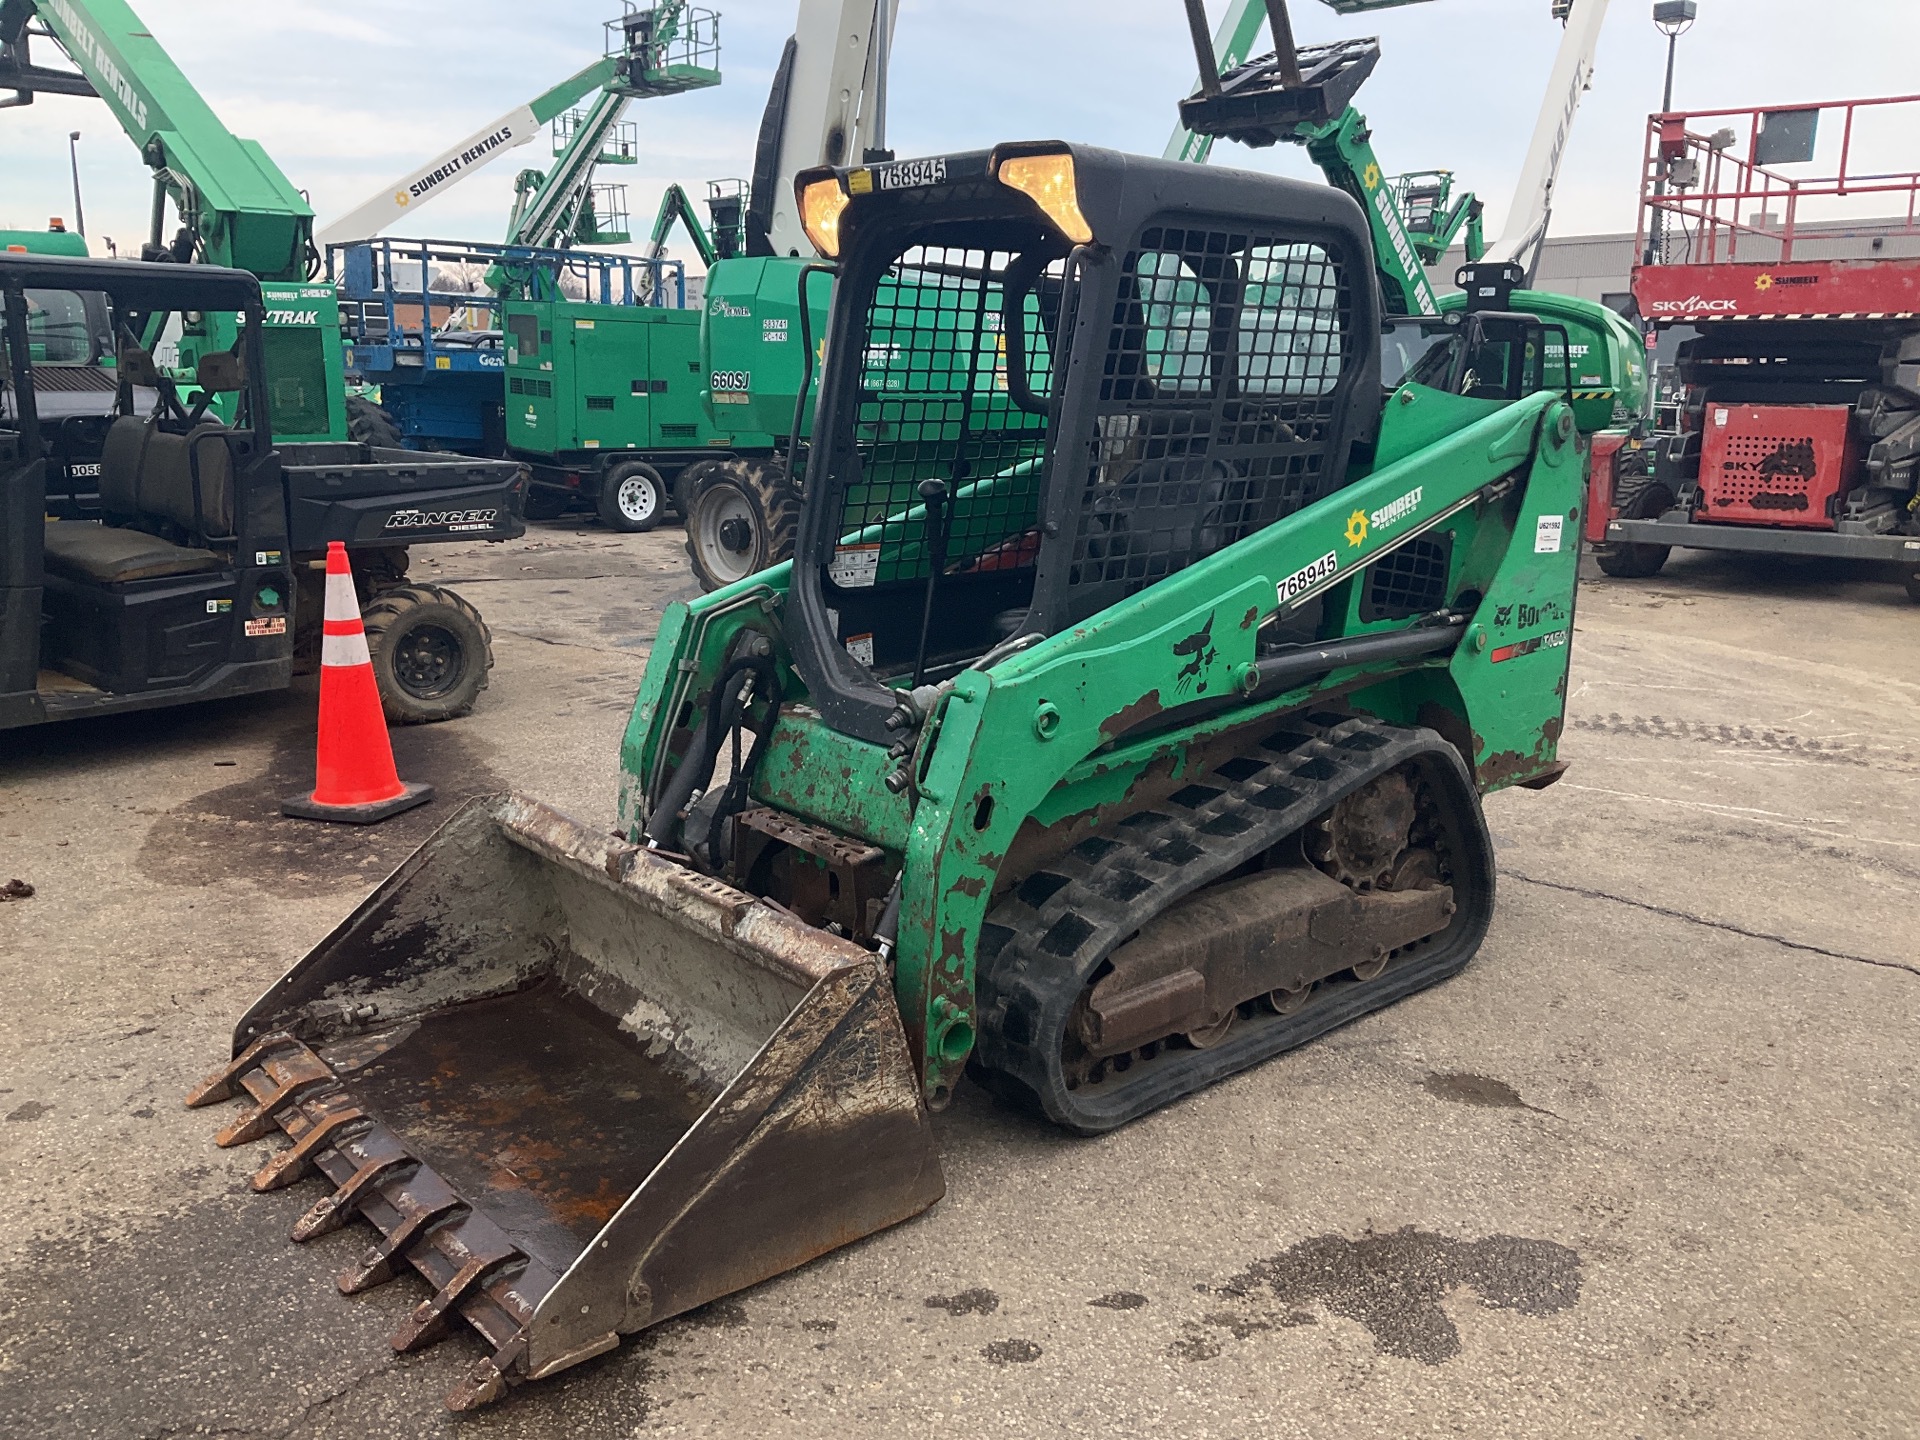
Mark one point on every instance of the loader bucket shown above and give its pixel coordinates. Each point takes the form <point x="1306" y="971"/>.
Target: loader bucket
<point x="579" y="1088"/>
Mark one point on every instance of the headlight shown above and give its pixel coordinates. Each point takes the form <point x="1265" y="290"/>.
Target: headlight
<point x="821" y="204"/>
<point x="1048" y="181"/>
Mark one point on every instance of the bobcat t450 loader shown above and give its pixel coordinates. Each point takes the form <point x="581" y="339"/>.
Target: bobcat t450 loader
<point x="1098" y="776"/>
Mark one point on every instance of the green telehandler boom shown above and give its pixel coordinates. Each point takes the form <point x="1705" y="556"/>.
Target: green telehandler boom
<point x="1096" y="769"/>
<point x="234" y="206"/>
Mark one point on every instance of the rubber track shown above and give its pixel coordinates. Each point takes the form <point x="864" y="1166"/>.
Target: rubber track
<point x="1041" y="944"/>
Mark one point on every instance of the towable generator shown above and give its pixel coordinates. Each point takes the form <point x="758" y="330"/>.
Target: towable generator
<point x="1097" y="776"/>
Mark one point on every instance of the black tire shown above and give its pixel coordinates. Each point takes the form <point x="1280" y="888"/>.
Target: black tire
<point x="368" y="424"/>
<point x="686" y="485"/>
<point x="1642" y="501"/>
<point x="632" y="497"/>
<point x="744" y="519"/>
<point x="1913" y="586"/>
<point x="545" y="504"/>
<point x="431" y="653"/>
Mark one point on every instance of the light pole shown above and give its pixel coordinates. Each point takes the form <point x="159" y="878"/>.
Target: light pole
<point x="1673" y="18"/>
<point x="73" y="156"/>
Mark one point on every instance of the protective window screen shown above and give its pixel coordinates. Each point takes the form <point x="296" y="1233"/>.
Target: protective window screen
<point x="1217" y="407"/>
<point x="935" y="406"/>
<point x="296" y="380"/>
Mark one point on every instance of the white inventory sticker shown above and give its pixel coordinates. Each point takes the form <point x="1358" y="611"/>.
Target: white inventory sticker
<point x="855" y="567"/>
<point x="1305" y="578"/>
<point x="910" y="174"/>
<point x="1546" y="534"/>
<point x="860" y="647"/>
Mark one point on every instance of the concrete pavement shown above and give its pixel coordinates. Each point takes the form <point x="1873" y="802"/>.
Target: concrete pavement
<point x="1645" y="1169"/>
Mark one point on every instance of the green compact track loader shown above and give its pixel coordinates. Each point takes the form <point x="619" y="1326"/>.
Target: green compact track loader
<point x="1097" y="770"/>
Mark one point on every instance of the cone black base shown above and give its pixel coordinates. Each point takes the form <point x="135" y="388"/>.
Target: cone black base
<point x="302" y="807"/>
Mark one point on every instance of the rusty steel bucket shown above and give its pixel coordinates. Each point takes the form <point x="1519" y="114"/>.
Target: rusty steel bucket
<point x="579" y="1088"/>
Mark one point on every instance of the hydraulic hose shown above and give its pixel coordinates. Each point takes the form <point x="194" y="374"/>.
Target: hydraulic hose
<point x="725" y="711"/>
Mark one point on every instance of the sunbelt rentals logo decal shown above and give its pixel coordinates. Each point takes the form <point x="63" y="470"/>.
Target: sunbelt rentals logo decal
<point x="1363" y="523"/>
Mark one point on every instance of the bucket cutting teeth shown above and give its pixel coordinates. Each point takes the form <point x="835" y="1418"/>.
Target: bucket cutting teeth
<point x="476" y="1272"/>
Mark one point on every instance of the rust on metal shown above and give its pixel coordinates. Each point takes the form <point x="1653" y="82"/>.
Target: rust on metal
<point x="297" y="1159"/>
<point x="578" y="1089"/>
<point x="818" y="875"/>
<point x="1131" y="717"/>
<point x="1546" y="777"/>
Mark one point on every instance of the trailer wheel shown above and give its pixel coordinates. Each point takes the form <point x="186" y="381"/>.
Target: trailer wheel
<point x="544" y="504"/>
<point x="1637" y="562"/>
<point x="1913" y="586"/>
<point x="632" y="497"/>
<point x="743" y="520"/>
<point x="369" y="424"/>
<point x="431" y="653"/>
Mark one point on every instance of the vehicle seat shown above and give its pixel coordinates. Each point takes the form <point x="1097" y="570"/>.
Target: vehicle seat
<point x="144" y="476"/>
<point x="106" y="555"/>
<point x="120" y="457"/>
<point x="166" y="479"/>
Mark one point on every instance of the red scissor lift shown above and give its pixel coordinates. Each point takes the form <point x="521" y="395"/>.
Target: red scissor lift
<point x="1797" y="427"/>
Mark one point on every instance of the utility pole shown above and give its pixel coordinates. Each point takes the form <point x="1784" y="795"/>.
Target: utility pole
<point x="73" y="157"/>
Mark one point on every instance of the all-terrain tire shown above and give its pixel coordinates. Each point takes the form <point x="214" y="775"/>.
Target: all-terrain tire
<point x="744" y="519"/>
<point x="1641" y="501"/>
<point x="368" y="424"/>
<point x="431" y="653"/>
<point x="633" y="497"/>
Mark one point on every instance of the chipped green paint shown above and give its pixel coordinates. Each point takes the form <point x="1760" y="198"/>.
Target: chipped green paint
<point x="1116" y="684"/>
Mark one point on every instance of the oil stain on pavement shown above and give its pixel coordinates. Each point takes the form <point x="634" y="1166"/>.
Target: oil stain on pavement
<point x="1396" y="1285"/>
<point x="237" y="830"/>
<point x="967" y="1302"/>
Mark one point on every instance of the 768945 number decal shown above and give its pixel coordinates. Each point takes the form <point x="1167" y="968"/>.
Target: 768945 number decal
<point x="1308" y="576"/>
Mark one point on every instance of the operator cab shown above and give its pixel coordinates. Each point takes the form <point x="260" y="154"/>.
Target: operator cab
<point x="1056" y="377"/>
<point x="181" y="588"/>
<point x="1480" y="355"/>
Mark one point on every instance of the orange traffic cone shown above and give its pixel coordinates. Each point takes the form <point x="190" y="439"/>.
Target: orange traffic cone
<point x="354" y="776"/>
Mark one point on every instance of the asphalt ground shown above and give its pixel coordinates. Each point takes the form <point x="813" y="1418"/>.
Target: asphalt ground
<point x="1646" y="1168"/>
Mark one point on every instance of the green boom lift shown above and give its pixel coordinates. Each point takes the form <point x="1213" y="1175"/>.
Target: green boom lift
<point x="1098" y="774"/>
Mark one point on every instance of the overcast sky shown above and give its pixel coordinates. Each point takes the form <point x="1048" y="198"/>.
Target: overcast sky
<point x="347" y="98"/>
